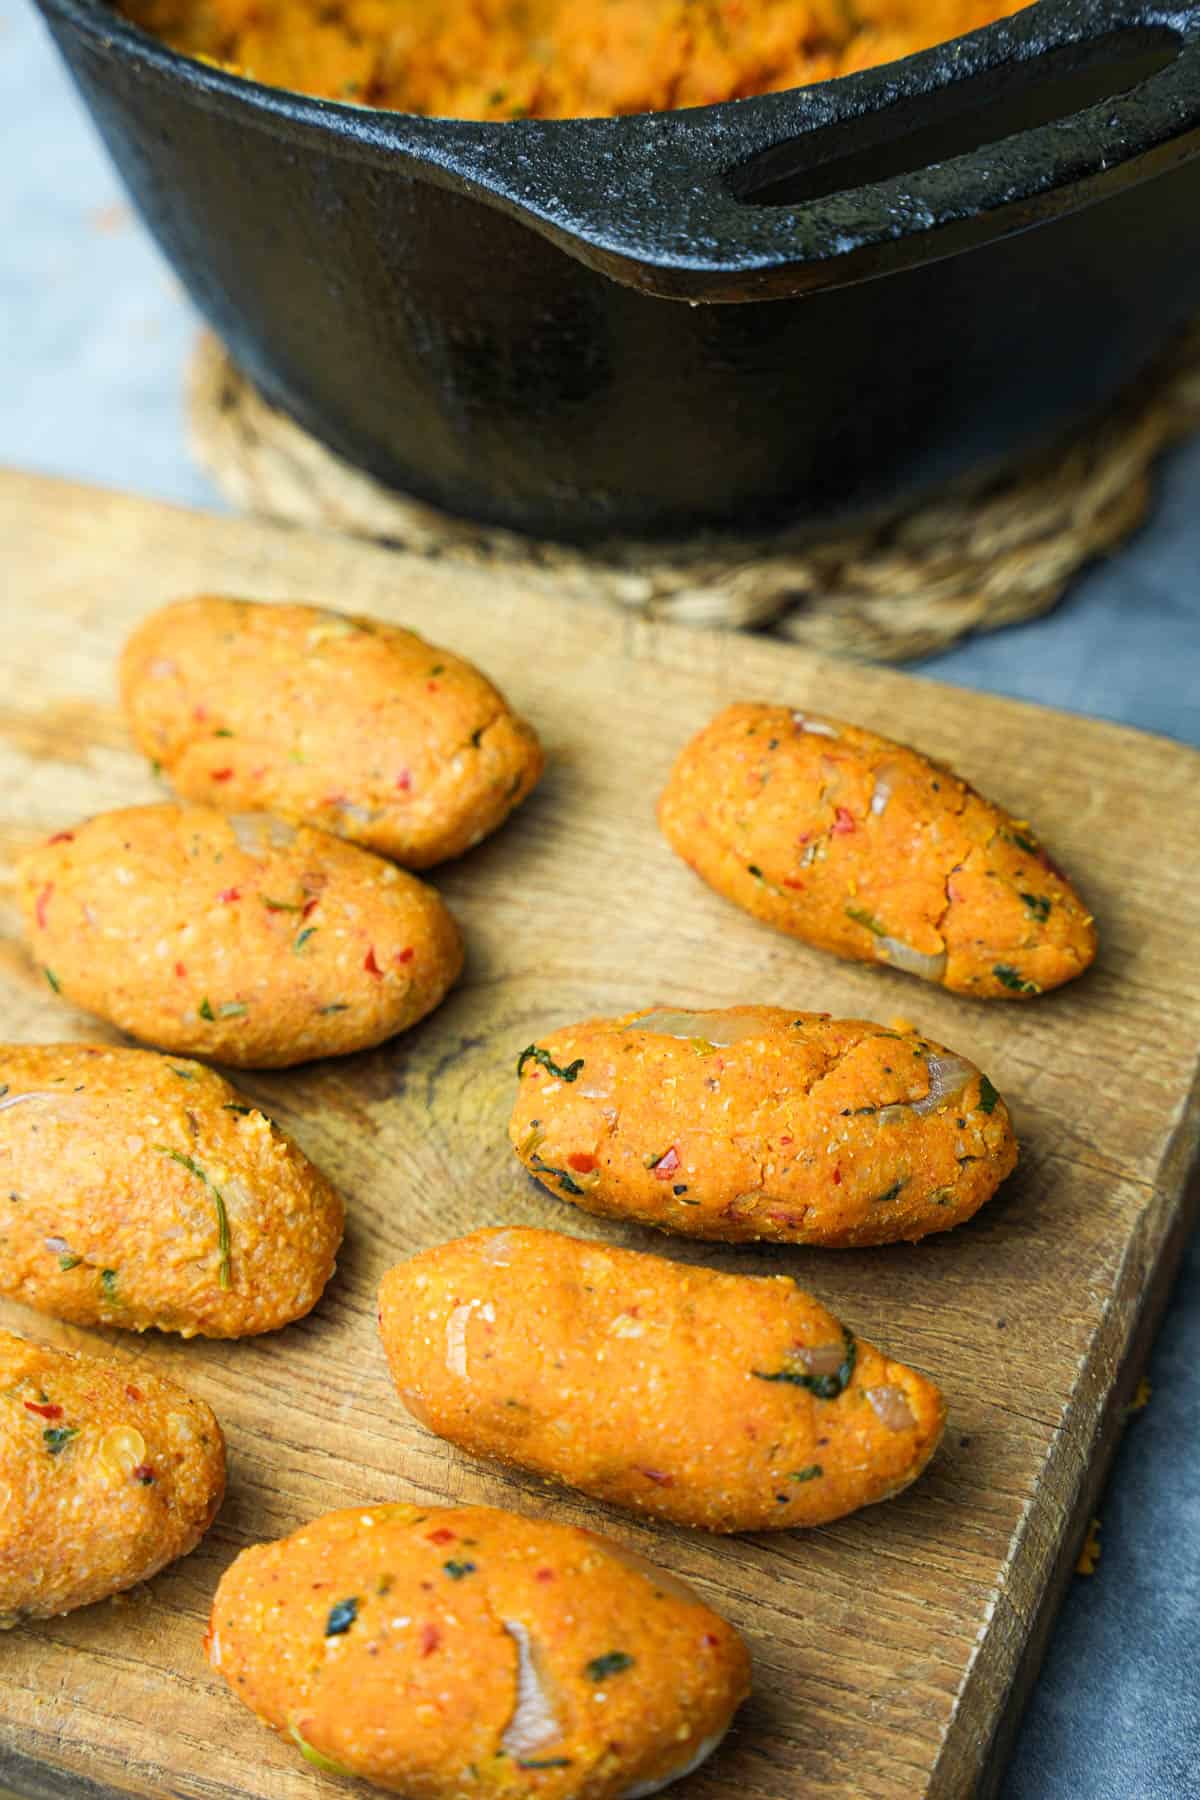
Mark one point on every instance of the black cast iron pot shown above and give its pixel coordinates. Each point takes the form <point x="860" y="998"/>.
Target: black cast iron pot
<point x="936" y="264"/>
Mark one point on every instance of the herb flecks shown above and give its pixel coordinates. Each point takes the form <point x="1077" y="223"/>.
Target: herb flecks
<point x="564" y="1180"/>
<point x="193" y="1168"/>
<point x="868" y="920"/>
<point x="613" y="1662"/>
<point x="341" y="1617"/>
<point x="57" y="1437"/>
<point x="52" y="978"/>
<point x="824" y="1387"/>
<point x="811" y="1473"/>
<point x="1028" y="844"/>
<point x="108" y="1281"/>
<point x="987" y="1096"/>
<point x="535" y="1053"/>
<point x="1013" y="979"/>
<point x="456" y="1570"/>
<point x="1037" y="906"/>
<point x="890" y="1193"/>
<point x="303" y="938"/>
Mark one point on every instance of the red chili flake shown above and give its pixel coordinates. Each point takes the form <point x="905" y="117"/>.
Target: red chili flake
<point x="335" y="800"/>
<point x="837" y="1178"/>
<point x="431" y="1637"/>
<point x="432" y="686"/>
<point x="228" y="894"/>
<point x="220" y="774"/>
<point x="786" y="1140"/>
<point x="543" y="1575"/>
<point x="200" y="713"/>
<point x="143" y="1473"/>
<point x="180" y="971"/>
<point x="404" y="781"/>
<point x="371" y="966"/>
<point x="133" y="1393"/>
<point x="42" y="902"/>
<point x="405" y="956"/>
<point x="710" y="1640"/>
<point x="804" y="838"/>
<point x="657" y="1476"/>
<point x="843" y="823"/>
<point x="441" y="1536"/>
<point x="308" y="906"/>
<point x="798" y="885"/>
<point x="62" y="837"/>
<point x="581" y="1162"/>
<point x="666" y="1165"/>
<point x="43" y="1412"/>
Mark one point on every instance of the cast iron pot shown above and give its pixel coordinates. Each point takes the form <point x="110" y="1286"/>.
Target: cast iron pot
<point x="811" y="304"/>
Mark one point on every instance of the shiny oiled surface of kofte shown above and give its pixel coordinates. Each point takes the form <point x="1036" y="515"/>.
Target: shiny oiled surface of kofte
<point x="357" y="726"/>
<point x="868" y="849"/>
<point x="235" y="936"/>
<point x="757" y="1122"/>
<point x="446" y="1652"/>
<point x="730" y="1402"/>
<point x="106" y="1474"/>
<point x="142" y="1190"/>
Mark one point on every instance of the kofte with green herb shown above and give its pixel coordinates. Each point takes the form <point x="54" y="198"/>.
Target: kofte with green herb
<point x="142" y="1191"/>
<point x="759" y="1122"/>
<point x="107" y="1473"/>
<point x="453" y="1651"/>
<point x="871" y="850"/>
<point x="726" y="1402"/>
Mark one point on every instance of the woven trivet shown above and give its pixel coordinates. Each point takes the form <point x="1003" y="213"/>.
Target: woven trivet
<point x="969" y="560"/>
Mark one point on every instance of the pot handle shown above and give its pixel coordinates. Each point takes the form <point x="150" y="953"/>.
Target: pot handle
<point x="694" y="205"/>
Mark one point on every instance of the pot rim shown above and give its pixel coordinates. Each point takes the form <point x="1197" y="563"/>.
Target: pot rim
<point x="660" y="201"/>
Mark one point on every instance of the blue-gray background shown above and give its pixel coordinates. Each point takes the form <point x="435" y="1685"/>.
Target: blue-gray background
<point x="94" y="335"/>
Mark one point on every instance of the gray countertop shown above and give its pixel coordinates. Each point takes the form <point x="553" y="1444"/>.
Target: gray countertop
<point x="95" y="333"/>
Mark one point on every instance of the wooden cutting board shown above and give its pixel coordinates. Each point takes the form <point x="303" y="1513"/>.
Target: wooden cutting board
<point x="891" y="1650"/>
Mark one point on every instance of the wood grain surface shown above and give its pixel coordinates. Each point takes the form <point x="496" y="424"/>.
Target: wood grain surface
<point x="888" y="1648"/>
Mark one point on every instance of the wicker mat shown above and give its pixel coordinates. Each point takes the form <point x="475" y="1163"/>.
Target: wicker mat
<point x="967" y="560"/>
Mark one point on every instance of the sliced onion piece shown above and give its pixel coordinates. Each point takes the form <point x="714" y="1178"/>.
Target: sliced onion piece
<point x="534" y="1722"/>
<point x="948" y="1075"/>
<point x="816" y="727"/>
<point x="710" y="1027"/>
<point x="885" y="775"/>
<point x="259" y="832"/>
<point x="891" y="1408"/>
<point x="68" y="1106"/>
<point x="456" y="1333"/>
<point x="644" y="1789"/>
<point x="823" y="1359"/>
<point x="913" y="962"/>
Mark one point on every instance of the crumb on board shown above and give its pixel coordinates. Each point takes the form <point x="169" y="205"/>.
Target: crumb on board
<point x="1089" y="1556"/>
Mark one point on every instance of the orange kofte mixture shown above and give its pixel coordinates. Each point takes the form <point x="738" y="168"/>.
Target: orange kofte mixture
<point x="554" y="59"/>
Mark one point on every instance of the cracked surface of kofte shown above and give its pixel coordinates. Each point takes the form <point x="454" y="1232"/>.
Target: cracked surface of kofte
<point x="107" y="1473"/>
<point x="727" y="1402"/>
<point x="757" y="1122"/>
<point x="347" y="723"/>
<point x="235" y="936"/>
<point x="868" y="849"/>
<point x="144" y="1191"/>
<point x="444" y="1651"/>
